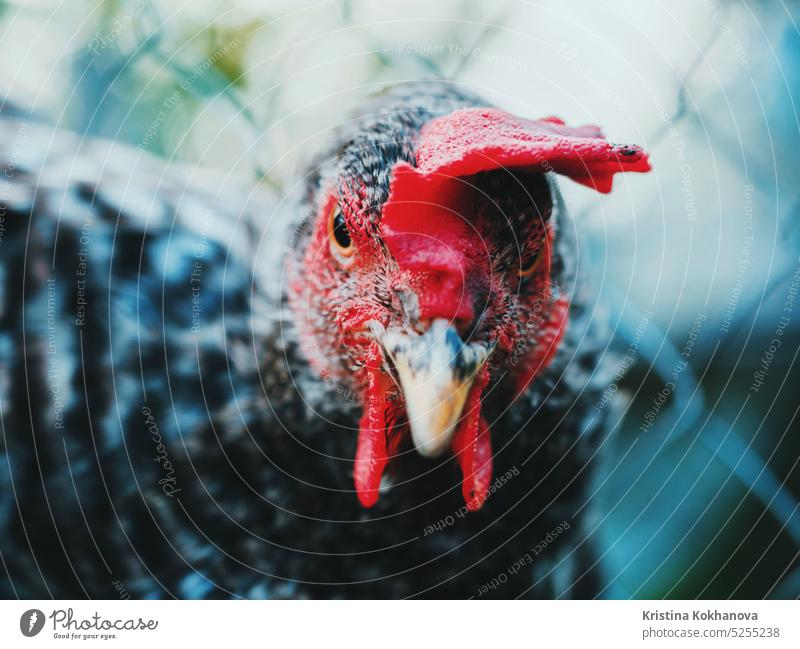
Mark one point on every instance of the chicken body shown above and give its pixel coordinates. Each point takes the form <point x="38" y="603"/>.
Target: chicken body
<point x="164" y="432"/>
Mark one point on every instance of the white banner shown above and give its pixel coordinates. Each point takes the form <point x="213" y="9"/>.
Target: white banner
<point x="386" y="625"/>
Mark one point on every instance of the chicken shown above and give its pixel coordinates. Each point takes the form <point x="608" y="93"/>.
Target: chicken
<point x="383" y="386"/>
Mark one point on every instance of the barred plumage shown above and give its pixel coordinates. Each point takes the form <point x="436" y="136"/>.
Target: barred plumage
<point x="161" y="429"/>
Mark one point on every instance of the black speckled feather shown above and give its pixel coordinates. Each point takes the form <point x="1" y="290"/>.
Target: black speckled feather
<point x="162" y="433"/>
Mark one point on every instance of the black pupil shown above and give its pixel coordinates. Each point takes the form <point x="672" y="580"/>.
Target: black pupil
<point x="340" y="232"/>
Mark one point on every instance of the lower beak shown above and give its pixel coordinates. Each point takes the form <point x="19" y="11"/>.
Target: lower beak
<point x="436" y="370"/>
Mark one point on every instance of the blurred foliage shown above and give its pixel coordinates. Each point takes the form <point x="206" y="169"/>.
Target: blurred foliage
<point x="142" y="64"/>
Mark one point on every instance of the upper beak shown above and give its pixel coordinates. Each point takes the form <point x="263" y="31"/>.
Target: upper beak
<point x="436" y="370"/>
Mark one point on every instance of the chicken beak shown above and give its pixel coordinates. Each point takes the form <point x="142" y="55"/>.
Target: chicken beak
<point x="436" y="370"/>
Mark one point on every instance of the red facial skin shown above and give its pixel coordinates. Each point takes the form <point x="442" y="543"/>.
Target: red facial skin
<point x="433" y="253"/>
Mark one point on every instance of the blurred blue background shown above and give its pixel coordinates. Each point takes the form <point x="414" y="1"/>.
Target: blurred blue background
<point x="697" y="264"/>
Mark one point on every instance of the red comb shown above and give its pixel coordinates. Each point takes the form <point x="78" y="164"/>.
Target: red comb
<point x="472" y="140"/>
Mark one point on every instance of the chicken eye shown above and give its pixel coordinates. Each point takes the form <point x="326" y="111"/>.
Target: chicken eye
<point x="338" y="233"/>
<point x="530" y="266"/>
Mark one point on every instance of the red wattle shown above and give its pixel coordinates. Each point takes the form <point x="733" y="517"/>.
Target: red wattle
<point x="375" y="443"/>
<point x="371" y="459"/>
<point x="473" y="448"/>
